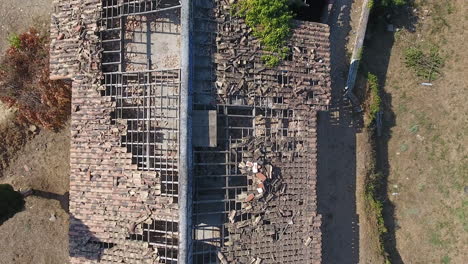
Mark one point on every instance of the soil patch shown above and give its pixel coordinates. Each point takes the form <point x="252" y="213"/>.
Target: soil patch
<point x="18" y="16"/>
<point x="39" y="234"/>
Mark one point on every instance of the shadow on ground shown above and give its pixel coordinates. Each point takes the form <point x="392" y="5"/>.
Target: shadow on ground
<point x="337" y="154"/>
<point x="61" y="198"/>
<point x="83" y="244"/>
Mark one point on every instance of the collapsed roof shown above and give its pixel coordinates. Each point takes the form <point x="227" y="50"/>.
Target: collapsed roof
<point x="252" y="181"/>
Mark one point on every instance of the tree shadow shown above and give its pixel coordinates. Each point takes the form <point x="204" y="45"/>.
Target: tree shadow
<point x="336" y="168"/>
<point x="382" y="28"/>
<point x="11" y="202"/>
<point x="82" y="242"/>
<point x="63" y="199"/>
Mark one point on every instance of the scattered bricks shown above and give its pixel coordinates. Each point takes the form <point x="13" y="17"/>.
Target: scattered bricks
<point x="60" y="36"/>
<point x="222" y="258"/>
<point x="261" y="177"/>
<point x="241" y="196"/>
<point x="232" y="216"/>
<point x="261" y="186"/>
<point x="283" y="188"/>
<point x="250" y="197"/>
<point x="78" y="28"/>
<point x="255" y="167"/>
<point x="247" y="206"/>
<point x="257" y="220"/>
<point x="269" y="171"/>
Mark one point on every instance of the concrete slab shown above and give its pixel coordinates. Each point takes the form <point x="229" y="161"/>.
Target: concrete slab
<point x="204" y="128"/>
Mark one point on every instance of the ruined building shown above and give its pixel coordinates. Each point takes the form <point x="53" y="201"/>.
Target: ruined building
<point x="185" y="147"/>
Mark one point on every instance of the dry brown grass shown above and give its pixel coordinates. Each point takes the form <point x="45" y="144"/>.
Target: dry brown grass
<point x="25" y="83"/>
<point x="427" y="152"/>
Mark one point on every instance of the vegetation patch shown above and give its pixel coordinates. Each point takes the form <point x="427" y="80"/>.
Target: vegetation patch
<point x="14" y="41"/>
<point x="375" y="101"/>
<point x="375" y="181"/>
<point x="425" y="65"/>
<point x="270" y="21"/>
<point x="393" y="3"/>
<point x="373" y="187"/>
<point x="25" y="83"/>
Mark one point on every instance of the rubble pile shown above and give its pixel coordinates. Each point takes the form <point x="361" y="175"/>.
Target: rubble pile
<point x="73" y="35"/>
<point x="302" y="78"/>
<point x="277" y="220"/>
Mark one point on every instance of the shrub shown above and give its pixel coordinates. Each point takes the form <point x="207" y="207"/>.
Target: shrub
<point x="373" y="187"/>
<point x="11" y="202"/>
<point x="392" y="3"/>
<point x="375" y="101"/>
<point x="425" y="65"/>
<point x="25" y="83"/>
<point x="270" y="21"/>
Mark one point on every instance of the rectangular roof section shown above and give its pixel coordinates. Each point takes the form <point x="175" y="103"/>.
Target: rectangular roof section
<point x="254" y="177"/>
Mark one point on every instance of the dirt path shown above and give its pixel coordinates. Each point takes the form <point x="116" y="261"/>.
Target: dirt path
<point x="337" y="149"/>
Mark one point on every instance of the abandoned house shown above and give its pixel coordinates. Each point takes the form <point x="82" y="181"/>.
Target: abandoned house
<point x="185" y="147"/>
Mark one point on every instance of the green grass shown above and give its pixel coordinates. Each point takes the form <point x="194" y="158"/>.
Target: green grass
<point x="403" y="147"/>
<point x="270" y="21"/>
<point x="370" y="4"/>
<point x="359" y="54"/>
<point x="393" y="3"/>
<point x="414" y="129"/>
<point x="14" y="41"/>
<point x="461" y="214"/>
<point x="425" y="64"/>
<point x="435" y="239"/>
<point x="375" y="102"/>
<point x="445" y="259"/>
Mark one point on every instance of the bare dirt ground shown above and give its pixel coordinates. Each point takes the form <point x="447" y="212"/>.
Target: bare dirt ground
<point x="423" y="150"/>
<point x="337" y="148"/>
<point x="18" y="16"/>
<point x="38" y="234"/>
